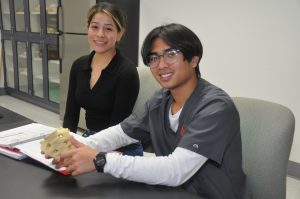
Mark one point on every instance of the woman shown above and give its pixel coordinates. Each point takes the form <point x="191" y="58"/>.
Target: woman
<point x="104" y="83"/>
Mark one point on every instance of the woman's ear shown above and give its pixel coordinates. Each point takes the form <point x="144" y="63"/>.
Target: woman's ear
<point x="120" y="35"/>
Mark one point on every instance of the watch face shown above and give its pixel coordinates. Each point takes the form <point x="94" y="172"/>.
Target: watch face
<point x="100" y="161"/>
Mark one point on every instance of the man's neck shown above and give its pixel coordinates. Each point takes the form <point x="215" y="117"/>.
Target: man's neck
<point x="181" y="94"/>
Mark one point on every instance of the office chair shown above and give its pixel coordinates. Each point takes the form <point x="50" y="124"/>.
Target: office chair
<point x="267" y="133"/>
<point x="148" y="85"/>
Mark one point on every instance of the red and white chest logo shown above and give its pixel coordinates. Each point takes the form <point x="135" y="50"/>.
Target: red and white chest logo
<point x="181" y="132"/>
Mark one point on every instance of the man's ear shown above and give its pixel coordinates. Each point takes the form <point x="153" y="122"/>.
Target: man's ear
<point x="195" y="61"/>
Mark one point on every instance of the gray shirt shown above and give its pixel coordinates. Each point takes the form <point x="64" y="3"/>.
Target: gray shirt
<point x="208" y="125"/>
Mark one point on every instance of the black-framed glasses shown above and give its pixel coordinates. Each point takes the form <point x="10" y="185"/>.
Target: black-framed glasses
<point x="170" y="56"/>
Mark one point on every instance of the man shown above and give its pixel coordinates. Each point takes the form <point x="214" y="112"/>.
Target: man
<point x="193" y="127"/>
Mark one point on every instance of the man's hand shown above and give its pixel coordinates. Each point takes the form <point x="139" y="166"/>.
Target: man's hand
<point x="78" y="160"/>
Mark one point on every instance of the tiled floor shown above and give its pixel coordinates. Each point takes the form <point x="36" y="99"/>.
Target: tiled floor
<point x="28" y="110"/>
<point x="52" y="119"/>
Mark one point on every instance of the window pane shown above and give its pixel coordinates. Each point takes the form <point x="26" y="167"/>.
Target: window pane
<point x="22" y="66"/>
<point x="52" y="18"/>
<point x="37" y="71"/>
<point x="8" y="53"/>
<point x="35" y="23"/>
<point x="5" y="14"/>
<point x="54" y="73"/>
<point x="19" y="15"/>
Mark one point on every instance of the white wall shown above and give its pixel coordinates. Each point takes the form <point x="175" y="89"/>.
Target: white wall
<point x="251" y="48"/>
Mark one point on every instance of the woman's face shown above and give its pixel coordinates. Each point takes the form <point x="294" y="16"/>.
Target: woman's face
<point x="103" y="34"/>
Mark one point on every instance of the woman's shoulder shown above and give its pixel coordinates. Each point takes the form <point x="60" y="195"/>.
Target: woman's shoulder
<point x="125" y="62"/>
<point x="126" y="66"/>
<point x="83" y="59"/>
<point x="82" y="63"/>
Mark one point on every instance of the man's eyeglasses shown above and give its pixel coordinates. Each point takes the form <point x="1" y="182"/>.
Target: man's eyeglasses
<point x="170" y="56"/>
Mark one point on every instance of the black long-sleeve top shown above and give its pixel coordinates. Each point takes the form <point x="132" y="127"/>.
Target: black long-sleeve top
<point x="110" y="100"/>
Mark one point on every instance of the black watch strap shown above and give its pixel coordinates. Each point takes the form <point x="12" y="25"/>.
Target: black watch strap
<point x="100" y="161"/>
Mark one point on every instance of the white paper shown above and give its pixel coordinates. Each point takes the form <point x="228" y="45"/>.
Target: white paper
<point x="22" y="134"/>
<point x="28" y="139"/>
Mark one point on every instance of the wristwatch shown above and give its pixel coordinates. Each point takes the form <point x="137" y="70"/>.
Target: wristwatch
<point x="100" y="161"/>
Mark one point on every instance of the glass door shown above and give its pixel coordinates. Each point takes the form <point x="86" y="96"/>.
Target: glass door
<point x="30" y="41"/>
